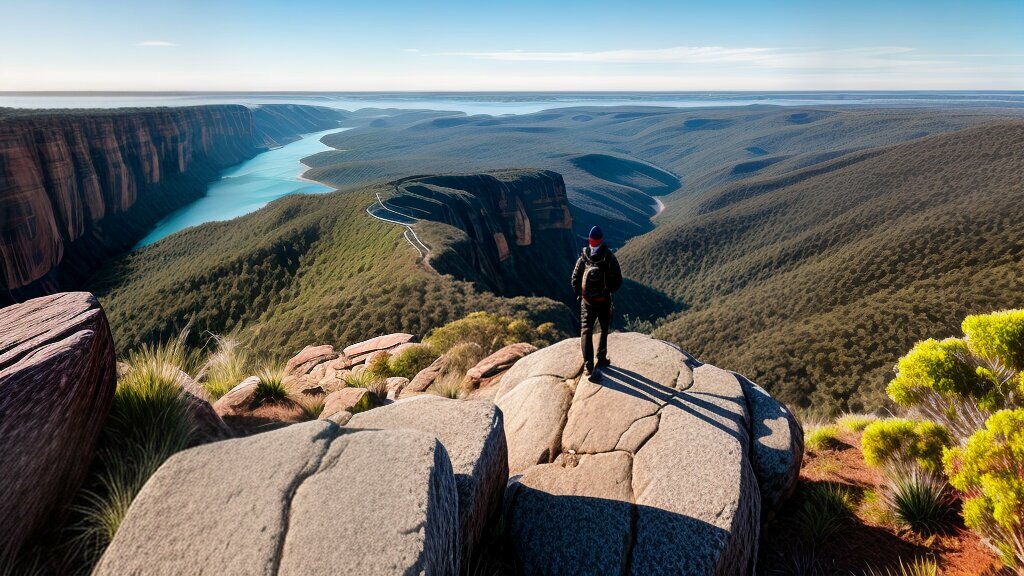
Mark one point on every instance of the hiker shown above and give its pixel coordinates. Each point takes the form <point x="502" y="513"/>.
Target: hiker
<point x="594" y="278"/>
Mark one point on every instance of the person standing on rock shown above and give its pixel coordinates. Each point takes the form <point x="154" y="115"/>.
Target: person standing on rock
<point x="594" y="279"/>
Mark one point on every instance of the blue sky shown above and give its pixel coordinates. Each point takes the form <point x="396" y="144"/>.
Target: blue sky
<point x="525" y="45"/>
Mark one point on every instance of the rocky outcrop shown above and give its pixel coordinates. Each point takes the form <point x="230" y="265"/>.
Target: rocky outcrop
<point x="77" y="187"/>
<point x="513" y="229"/>
<point x="57" y="378"/>
<point x="360" y="351"/>
<point x="344" y="400"/>
<point x="239" y="399"/>
<point x="474" y="437"/>
<point x="307" y="499"/>
<point x="650" y="470"/>
<point x="498" y="362"/>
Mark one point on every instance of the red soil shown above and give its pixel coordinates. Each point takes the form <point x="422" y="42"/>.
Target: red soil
<point x="865" y="543"/>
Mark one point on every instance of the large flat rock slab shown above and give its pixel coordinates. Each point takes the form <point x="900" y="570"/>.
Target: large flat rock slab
<point x="648" y="470"/>
<point x="473" y="435"/>
<point x="311" y="498"/>
<point x="57" y="378"/>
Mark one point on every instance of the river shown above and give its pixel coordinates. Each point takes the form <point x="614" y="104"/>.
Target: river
<point x="249" y="186"/>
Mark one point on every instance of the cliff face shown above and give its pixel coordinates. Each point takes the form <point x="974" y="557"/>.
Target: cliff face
<point x="77" y="187"/>
<point x="513" y="229"/>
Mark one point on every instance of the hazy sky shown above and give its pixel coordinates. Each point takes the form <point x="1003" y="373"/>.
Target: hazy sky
<point x="523" y="45"/>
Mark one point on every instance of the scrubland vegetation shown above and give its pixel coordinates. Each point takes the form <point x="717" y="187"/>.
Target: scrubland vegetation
<point x="953" y="461"/>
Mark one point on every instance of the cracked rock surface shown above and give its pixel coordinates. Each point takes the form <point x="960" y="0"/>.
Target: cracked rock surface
<point x="311" y="498"/>
<point x="653" y="469"/>
<point x="472" y="434"/>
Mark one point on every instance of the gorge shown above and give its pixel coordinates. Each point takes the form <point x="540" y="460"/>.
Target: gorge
<point x="77" y="187"/>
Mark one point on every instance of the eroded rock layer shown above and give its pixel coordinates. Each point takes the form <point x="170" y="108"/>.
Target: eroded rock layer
<point x="79" y="186"/>
<point x="56" y="383"/>
<point x="513" y="229"/>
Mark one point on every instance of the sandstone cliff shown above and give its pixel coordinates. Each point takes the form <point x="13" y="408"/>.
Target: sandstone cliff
<point x="77" y="187"/>
<point x="510" y="231"/>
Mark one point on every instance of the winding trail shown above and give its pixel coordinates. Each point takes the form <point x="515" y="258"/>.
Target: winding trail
<point x="396" y="217"/>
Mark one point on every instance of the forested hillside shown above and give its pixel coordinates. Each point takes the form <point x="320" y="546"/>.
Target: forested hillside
<point x="616" y="159"/>
<point x="304" y="269"/>
<point x="813" y="283"/>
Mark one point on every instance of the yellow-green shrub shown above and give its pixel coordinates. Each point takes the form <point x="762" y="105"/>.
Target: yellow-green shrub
<point x="997" y="336"/>
<point x="490" y="331"/>
<point x="989" y="470"/>
<point x="983" y="369"/>
<point x="896" y="440"/>
<point x="934" y="365"/>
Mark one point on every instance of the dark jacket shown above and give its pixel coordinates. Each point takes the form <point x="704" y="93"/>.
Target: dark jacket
<point x="605" y="259"/>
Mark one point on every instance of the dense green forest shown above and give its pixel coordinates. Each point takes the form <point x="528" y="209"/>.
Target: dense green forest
<point x="813" y="283"/>
<point x="303" y="270"/>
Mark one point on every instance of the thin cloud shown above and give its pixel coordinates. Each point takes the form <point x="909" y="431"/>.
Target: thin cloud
<point x="851" y="58"/>
<point x="158" y="43"/>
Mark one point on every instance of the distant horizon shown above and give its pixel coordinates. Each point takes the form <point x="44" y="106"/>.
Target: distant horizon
<point x="468" y="91"/>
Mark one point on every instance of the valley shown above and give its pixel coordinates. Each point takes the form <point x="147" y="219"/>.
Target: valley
<point x="784" y="245"/>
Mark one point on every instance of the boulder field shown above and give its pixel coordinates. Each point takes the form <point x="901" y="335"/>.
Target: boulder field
<point x="662" y="465"/>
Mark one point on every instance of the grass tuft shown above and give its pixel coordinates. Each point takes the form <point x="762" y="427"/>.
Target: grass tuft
<point x="448" y="386"/>
<point x="855" y="423"/>
<point x="919" y="567"/>
<point x="149" y="421"/>
<point x="226" y="366"/>
<point x="824" y="437"/>
<point x="826" y="509"/>
<point x="922" y="501"/>
<point x="270" y="387"/>
<point x="312" y="409"/>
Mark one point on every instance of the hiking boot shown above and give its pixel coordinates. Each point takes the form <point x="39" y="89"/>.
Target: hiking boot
<point x="588" y="369"/>
<point x="603" y="362"/>
<point x="594" y="375"/>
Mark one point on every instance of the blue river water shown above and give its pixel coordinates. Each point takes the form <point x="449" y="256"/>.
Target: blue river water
<point x="249" y="186"/>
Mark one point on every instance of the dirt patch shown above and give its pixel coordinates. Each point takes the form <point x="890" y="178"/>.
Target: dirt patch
<point x="864" y="541"/>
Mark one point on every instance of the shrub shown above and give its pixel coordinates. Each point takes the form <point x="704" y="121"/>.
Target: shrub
<point x="921" y="500"/>
<point x="825" y="510"/>
<point x="489" y="331"/>
<point x="896" y="440"/>
<point x="981" y="370"/>
<point x="409" y="362"/>
<point x="998" y="336"/>
<point x="855" y="423"/>
<point x="824" y="437"/>
<point x="938" y="366"/>
<point x="989" y="470"/>
<point x="270" y="387"/>
<point x="379" y="367"/>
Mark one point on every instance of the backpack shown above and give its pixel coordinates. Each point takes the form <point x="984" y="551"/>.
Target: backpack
<point x="595" y="281"/>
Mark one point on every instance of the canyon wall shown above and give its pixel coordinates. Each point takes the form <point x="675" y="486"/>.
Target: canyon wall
<point x="510" y="231"/>
<point x="79" y="186"/>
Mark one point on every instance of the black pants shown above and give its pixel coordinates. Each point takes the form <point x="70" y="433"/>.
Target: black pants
<point x="592" y="313"/>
